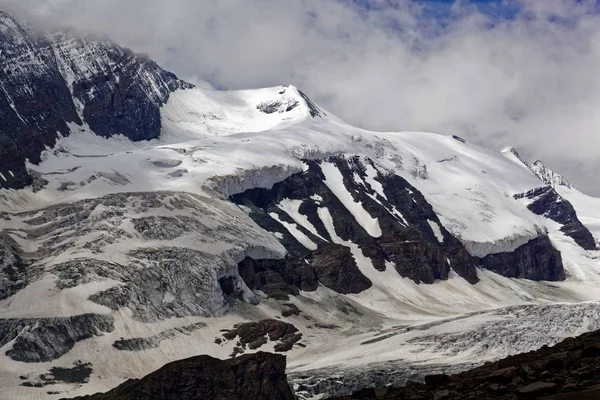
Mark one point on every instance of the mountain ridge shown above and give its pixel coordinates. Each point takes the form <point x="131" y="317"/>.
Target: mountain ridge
<point x="47" y="83"/>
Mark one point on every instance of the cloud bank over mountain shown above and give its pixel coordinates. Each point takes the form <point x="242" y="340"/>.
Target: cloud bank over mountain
<point x="526" y="78"/>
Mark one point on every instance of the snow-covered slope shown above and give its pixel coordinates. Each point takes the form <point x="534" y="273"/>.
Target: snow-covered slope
<point x="216" y="112"/>
<point x="388" y="251"/>
<point x="113" y="208"/>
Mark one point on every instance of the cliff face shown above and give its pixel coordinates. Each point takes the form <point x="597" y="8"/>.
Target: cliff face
<point x="50" y="81"/>
<point x="547" y="202"/>
<point x="409" y="236"/>
<point x="254" y="376"/>
<point x="536" y="260"/>
<point x="35" y="102"/>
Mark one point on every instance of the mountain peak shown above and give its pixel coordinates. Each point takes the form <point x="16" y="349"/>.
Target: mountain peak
<point x="514" y="152"/>
<point x="548" y="176"/>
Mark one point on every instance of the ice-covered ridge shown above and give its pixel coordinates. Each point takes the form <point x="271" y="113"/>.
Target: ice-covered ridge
<point x="218" y="112"/>
<point x="548" y="176"/>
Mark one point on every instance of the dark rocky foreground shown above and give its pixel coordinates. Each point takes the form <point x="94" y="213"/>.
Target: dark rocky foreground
<point x="253" y="376"/>
<point x="567" y="371"/>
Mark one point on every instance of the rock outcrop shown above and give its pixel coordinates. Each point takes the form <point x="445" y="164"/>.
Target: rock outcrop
<point x="336" y="268"/>
<point x="536" y="260"/>
<point x="46" y="339"/>
<point x="252" y="376"/>
<point x="278" y="278"/>
<point x="412" y="239"/>
<point x="252" y="335"/>
<point x="547" y="202"/>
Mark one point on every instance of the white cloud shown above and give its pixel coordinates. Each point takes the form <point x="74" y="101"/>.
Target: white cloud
<point x="531" y="82"/>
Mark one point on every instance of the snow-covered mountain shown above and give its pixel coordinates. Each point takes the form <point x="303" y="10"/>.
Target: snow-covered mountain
<point x="51" y="81"/>
<point x="144" y="220"/>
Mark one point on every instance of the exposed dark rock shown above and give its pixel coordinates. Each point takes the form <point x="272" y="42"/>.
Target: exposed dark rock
<point x="407" y="222"/>
<point x="278" y="278"/>
<point x="289" y="309"/>
<point x="438" y="380"/>
<point x="124" y="100"/>
<point x="414" y="258"/>
<point x="46" y="339"/>
<point x="35" y="101"/>
<point x="548" y="203"/>
<point x="252" y="376"/>
<point x="287" y="342"/>
<point x="78" y="374"/>
<point x="143" y="343"/>
<point x="255" y="334"/>
<point x="535" y="260"/>
<point x="536" y="389"/>
<point x="280" y="106"/>
<point x="337" y="269"/>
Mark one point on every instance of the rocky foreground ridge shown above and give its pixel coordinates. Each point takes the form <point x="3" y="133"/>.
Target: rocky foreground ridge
<point x="567" y="371"/>
<point x="256" y="376"/>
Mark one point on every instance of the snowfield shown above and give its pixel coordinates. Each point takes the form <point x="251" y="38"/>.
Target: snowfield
<point x="215" y="144"/>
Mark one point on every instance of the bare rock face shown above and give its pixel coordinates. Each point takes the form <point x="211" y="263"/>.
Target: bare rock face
<point x="407" y="222"/>
<point x="252" y="335"/>
<point x="337" y="269"/>
<point x="46" y="339"/>
<point x="253" y="376"/>
<point x="535" y="260"/>
<point x="121" y="92"/>
<point x="413" y="240"/>
<point x="278" y="278"/>
<point x="547" y="202"/>
<point x="35" y="102"/>
<point x="49" y="81"/>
